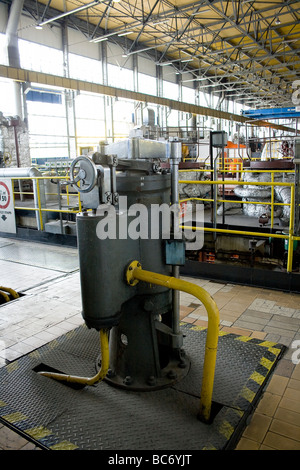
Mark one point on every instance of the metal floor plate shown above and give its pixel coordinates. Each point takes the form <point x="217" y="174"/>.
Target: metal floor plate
<point x="101" y="417"/>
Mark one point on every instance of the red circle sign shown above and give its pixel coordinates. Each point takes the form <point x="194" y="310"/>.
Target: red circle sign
<point x="4" y="196"/>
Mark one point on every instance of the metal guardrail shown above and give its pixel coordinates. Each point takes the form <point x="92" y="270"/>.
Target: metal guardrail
<point x="38" y="203"/>
<point x="291" y="237"/>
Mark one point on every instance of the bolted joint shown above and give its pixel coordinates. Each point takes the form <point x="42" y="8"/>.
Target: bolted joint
<point x="129" y="273"/>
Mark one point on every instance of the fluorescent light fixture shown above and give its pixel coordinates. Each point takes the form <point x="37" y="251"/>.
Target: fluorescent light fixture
<point x="125" y="33"/>
<point x="165" y="63"/>
<point x="187" y="60"/>
<point x="67" y="13"/>
<point x="38" y="26"/>
<point x="99" y="40"/>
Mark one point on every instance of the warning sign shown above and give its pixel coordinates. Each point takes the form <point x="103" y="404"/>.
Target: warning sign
<point x="7" y="211"/>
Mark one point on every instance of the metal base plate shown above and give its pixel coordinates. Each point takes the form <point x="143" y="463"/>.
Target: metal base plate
<point x="55" y="416"/>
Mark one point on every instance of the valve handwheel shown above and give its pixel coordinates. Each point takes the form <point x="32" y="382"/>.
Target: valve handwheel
<point x="87" y="174"/>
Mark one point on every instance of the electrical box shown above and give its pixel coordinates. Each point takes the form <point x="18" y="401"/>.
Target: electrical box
<point x="219" y="139"/>
<point x="175" y="252"/>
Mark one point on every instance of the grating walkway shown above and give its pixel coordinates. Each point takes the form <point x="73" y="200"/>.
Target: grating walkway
<point x="51" y="307"/>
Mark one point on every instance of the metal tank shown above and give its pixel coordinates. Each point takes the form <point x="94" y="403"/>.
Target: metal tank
<point x="145" y="343"/>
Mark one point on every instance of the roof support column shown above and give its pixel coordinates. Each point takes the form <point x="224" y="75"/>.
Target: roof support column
<point x="13" y="51"/>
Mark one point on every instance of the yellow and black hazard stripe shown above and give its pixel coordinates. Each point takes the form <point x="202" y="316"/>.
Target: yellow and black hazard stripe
<point x="40" y="435"/>
<point x="233" y="417"/>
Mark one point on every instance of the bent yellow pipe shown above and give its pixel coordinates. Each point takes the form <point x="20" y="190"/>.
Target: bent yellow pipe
<point x="87" y="380"/>
<point x="13" y="293"/>
<point x="135" y="273"/>
<point x="5" y="296"/>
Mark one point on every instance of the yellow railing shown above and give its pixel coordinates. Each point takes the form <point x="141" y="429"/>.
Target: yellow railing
<point x="290" y="236"/>
<point x="38" y="203"/>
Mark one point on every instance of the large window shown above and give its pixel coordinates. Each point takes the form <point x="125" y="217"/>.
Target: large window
<point x="123" y="118"/>
<point x="170" y="90"/>
<point x="3" y="54"/>
<point x="50" y="134"/>
<point x="84" y="68"/>
<point x="47" y="129"/>
<point x="90" y="119"/>
<point x="147" y="84"/>
<point x="120" y="77"/>
<point x="7" y="93"/>
<point x="40" y="58"/>
<point x="188" y="95"/>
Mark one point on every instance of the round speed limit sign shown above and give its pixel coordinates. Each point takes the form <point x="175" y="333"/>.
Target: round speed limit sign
<point x="4" y="196"/>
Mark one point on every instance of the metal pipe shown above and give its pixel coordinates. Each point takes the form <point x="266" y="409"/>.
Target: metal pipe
<point x="39" y="195"/>
<point x="175" y="158"/>
<point x="12" y="33"/>
<point x="71" y="12"/>
<point x="136" y="273"/>
<point x="5" y="296"/>
<point x="215" y="195"/>
<point x="255" y="183"/>
<point x="87" y="380"/>
<point x="14" y="294"/>
<point x="291" y="227"/>
<point x="13" y="49"/>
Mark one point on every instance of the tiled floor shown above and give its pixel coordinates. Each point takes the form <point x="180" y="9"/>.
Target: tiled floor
<point x="51" y="306"/>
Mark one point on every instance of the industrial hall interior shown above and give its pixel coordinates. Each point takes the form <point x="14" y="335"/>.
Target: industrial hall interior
<point x="150" y="228"/>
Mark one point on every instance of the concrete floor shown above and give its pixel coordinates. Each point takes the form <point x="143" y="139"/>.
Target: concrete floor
<point x="48" y="277"/>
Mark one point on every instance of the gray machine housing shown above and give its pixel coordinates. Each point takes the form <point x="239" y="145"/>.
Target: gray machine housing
<point x="145" y="346"/>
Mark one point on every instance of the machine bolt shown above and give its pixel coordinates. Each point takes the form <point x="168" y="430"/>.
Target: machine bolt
<point x="172" y="374"/>
<point x="151" y="380"/>
<point x="110" y="373"/>
<point x="127" y="380"/>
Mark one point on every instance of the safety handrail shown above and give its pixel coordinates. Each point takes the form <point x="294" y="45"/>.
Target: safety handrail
<point x="136" y="273"/>
<point x="39" y="207"/>
<point x="290" y="236"/>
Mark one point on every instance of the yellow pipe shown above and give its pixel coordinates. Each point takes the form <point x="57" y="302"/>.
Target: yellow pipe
<point x="291" y="228"/>
<point x="87" y="380"/>
<point x="135" y="273"/>
<point x="70" y="211"/>
<point x="5" y="296"/>
<point x="272" y="202"/>
<point x="235" y="232"/>
<point x="235" y="202"/>
<point x="187" y="170"/>
<point x="39" y="204"/>
<point x="234" y="182"/>
<point x="14" y="294"/>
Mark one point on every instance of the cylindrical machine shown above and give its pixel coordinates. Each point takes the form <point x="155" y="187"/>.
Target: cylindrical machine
<point x="145" y="349"/>
<point x="102" y="261"/>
